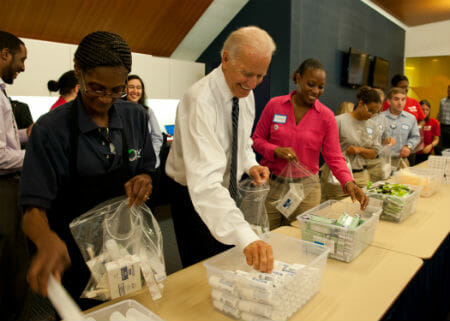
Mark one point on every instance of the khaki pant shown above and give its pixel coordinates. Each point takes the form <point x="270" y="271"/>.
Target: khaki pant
<point x="400" y="162"/>
<point x="277" y="219"/>
<point x="374" y="167"/>
<point x="335" y="192"/>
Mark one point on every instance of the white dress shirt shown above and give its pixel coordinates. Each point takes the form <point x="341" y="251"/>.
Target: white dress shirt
<point x="200" y="156"/>
<point x="11" y="156"/>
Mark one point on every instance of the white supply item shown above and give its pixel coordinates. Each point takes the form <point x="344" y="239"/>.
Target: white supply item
<point x="226" y="309"/>
<point x="124" y="275"/>
<point x="291" y="200"/>
<point x="63" y="303"/>
<point x="117" y="316"/>
<point x="129" y="309"/>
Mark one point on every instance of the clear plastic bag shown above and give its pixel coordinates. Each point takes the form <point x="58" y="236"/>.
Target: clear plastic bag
<point x="293" y="184"/>
<point x="386" y="156"/>
<point x="251" y="203"/>
<point x="122" y="248"/>
<point x="333" y="180"/>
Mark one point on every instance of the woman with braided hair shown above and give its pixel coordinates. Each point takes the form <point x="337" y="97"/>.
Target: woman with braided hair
<point x="85" y="152"/>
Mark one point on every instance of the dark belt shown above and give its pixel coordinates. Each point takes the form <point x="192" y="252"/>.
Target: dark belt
<point x="10" y="175"/>
<point x="359" y="170"/>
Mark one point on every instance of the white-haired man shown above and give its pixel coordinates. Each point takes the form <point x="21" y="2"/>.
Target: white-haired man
<point x="212" y="149"/>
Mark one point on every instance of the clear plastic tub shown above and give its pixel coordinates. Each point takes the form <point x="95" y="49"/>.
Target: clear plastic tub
<point x="395" y="208"/>
<point x="446" y="152"/>
<point x="345" y="244"/>
<point x="441" y="163"/>
<point x="430" y="179"/>
<point x="104" y="314"/>
<point x="246" y="298"/>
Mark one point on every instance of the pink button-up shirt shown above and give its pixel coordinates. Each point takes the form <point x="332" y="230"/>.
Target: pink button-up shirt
<point x="316" y="132"/>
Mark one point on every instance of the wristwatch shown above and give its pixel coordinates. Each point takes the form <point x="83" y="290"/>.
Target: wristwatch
<point x="409" y="146"/>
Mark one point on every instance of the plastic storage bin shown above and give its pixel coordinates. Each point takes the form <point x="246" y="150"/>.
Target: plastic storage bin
<point x="446" y="152"/>
<point x="441" y="163"/>
<point x="430" y="179"/>
<point x="344" y="243"/>
<point x="395" y="208"/>
<point x="104" y="314"/>
<point x="247" y="298"/>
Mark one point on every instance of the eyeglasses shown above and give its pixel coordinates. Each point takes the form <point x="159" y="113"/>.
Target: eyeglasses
<point x="116" y="93"/>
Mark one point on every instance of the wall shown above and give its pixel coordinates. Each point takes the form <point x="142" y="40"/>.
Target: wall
<point x="326" y="29"/>
<point x="432" y="39"/>
<point x="165" y="78"/>
<point x="322" y="29"/>
<point x="428" y="79"/>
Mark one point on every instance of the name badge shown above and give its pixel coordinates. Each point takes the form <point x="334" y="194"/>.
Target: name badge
<point x="279" y="119"/>
<point x="427" y="128"/>
<point x="369" y="131"/>
<point x="412" y="108"/>
<point x="405" y="126"/>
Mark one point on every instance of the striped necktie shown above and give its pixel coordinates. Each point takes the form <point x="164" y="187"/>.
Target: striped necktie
<point x="234" y="149"/>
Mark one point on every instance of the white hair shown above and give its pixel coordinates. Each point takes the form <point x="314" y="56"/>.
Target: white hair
<point x="252" y="38"/>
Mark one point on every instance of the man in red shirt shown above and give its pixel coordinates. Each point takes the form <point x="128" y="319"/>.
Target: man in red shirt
<point x="412" y="106"/>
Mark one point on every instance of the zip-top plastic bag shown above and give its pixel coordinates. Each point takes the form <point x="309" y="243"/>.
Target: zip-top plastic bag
<point x="386" y="156"/>
<point x="123" y="250"/>
<point x="293" y="185"/>
<point x="251" y="203"/>
<point x="332" y="179"/>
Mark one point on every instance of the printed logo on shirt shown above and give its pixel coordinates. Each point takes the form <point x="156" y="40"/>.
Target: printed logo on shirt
<point x="412" y="108"/>
<point x="369" y="131"/>
<point x="134" y="154"/>
<point x="427" y="128"/>
<point x="275" y="127"/>
<point x="405" y="126"/>
<point x="280" y="119"/>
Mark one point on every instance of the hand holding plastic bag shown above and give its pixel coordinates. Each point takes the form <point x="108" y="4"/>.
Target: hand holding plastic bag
<point x="293" y="185"/>
<point x="119" y="244"/>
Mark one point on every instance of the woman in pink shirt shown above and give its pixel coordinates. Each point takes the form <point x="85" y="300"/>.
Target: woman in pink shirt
<point x="67" y="85"/>
<point x="298" y="127"/>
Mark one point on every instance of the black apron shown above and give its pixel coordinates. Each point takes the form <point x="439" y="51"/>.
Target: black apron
<point x="82" y="194"/>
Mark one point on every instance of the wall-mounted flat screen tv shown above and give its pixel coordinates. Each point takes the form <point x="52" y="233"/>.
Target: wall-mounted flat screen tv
<point x="380" y="73"/>
<point x="358" y="68"/>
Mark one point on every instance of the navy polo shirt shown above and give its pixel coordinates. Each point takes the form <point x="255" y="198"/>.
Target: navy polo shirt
<point x="46" y="165"/>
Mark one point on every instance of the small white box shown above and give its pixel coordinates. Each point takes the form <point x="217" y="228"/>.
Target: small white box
<point x="124" y="275"/>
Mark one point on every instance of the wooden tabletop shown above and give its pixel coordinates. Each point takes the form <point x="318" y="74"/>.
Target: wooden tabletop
<point x="362" y="289"/>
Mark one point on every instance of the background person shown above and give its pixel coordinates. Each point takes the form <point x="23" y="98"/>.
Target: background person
<point x="297" y="127"/>
<point x="136" y="94"/>
<point x="90" y="150"/>
<point x="211" y="150"/>
<point x="14" y="256"/>
<point x="345" y="107"/>
<point x="358" y="137"/>
<point x="444" y="120"/>
<point x="375" y="165"/>
<point x="67" y="85"/>
<point x="431" y="133"/>
<point x="402" y="126"/>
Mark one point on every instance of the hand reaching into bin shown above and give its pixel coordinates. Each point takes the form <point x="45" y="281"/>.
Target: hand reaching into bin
<point x="259" y="254"/>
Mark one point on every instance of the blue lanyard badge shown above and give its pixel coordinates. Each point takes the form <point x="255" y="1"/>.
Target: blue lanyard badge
<point x="279" y="119"/>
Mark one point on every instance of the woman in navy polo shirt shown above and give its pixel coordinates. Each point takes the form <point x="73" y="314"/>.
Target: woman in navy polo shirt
<point x="83" y="153"/>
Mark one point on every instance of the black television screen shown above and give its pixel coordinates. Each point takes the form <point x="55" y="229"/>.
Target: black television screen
<point x="358" y="68"/>
<point x="380" y="73"/>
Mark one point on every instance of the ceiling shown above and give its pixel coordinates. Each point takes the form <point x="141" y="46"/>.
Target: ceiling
<point x="155" y="27"/>
<point x="416" y="12"/>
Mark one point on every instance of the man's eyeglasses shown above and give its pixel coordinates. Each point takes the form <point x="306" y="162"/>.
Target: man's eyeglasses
<point x="116" y="93"/>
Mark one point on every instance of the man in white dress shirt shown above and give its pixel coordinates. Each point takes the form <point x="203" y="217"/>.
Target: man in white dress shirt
<point x="200" y="158"/>
<point x="14" y="257"/>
